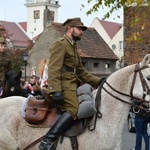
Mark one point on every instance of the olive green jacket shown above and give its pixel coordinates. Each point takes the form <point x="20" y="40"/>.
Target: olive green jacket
<point x="4" y="64"/>
<point x="64" y="53"/>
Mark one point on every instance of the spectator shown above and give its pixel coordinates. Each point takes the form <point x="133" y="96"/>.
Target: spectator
<point x="141" y="124"/>
<point x="33" y="87"/>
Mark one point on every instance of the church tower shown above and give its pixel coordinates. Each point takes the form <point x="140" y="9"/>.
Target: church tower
<point x="39" y="14"/>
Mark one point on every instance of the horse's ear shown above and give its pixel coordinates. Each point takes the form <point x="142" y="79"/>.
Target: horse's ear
<point x="6" y="75"/>
<point x="20" y="73"/>
<point x="145" y="61"/>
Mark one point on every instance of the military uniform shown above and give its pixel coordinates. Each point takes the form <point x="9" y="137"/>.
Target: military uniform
<point x="66" y="72"/>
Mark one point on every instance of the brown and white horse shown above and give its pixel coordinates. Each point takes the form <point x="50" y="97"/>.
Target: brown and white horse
<point x="15" y="134"/>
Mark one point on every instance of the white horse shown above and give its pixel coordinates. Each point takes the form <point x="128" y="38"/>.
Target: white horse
<point x="15" y="134"/>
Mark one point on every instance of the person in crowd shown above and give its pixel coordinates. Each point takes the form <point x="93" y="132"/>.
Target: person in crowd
<point x="5" y="63"/>
<point x="32" y="87"/>
<point x="26" y="91"/>
<point x="65" y="74"/>
<point x="141" y="124"/>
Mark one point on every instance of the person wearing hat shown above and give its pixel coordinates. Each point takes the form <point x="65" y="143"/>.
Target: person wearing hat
<point x="65" y="74"/>
<point x="5" y="64"/>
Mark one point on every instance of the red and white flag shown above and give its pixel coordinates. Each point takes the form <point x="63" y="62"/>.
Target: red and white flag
<point x="44" y="76"/>
<point x="33" y="71"/>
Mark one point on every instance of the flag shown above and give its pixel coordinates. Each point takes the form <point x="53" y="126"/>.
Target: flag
<point x="44" y="77"/>
<point x="33" y="72"/>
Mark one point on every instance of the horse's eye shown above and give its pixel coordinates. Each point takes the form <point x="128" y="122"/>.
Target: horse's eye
<point x="148" y="78"/>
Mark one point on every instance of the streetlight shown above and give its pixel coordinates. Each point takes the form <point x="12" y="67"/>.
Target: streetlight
<point x="25" y="60"/>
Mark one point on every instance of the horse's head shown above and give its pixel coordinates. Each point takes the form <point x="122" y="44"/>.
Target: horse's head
<point x="141" y="85"/>
<point x="11" y="84"/>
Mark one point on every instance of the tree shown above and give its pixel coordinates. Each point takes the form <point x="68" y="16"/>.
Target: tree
<point x="113" y="5"/>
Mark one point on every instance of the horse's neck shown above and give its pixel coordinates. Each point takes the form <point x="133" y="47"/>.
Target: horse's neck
<point x="121" y="80"/>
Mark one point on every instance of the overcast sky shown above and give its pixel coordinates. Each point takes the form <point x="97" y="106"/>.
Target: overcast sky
<point x="15" y="11"/>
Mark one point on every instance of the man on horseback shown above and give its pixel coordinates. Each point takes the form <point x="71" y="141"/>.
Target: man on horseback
<point x="66" y="73"/>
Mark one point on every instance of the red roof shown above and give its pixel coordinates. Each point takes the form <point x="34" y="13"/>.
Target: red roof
<point x="19" y="38"/>
<point x="110" y="27"/>
<point x="23" y="25"/>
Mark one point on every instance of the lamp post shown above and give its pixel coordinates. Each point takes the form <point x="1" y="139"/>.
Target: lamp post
<point x="25" y="60"/>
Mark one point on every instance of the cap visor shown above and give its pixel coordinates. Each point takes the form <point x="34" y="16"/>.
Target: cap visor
<point x="83" y="27"/>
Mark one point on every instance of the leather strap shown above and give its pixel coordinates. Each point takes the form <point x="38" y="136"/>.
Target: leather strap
<point x="33" y="143"/>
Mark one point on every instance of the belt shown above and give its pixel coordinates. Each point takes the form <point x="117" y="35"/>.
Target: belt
<point x="68" y="69"/>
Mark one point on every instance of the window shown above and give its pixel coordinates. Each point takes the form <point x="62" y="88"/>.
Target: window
<point x="84" y="63"/>
<point x="51" y="15"/>
<point x="96" y="65"/>
<point x="121" y="45"/>
<point x="113" y="47"/>
<point x="36" y="14"/>
<point x="107" y="65"/>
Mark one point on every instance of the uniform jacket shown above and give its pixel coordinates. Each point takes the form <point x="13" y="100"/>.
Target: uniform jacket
<point x="4" y="63"/>
<point x="64" y="53"/>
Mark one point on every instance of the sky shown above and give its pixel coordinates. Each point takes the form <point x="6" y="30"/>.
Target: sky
<point x="16" y="11"/>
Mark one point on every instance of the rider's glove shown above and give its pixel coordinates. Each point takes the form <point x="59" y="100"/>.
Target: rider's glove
<point x="58" y="98"/>
<point x="101" y="81"/>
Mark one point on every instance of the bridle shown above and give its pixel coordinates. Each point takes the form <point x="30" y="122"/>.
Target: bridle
<point x="146" y="90"/>
<point x="11" y="89"/>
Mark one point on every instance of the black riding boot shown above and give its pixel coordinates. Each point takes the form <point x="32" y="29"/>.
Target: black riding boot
<point x="50" y="139"/>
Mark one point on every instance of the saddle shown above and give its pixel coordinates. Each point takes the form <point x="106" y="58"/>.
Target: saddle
<point x="43" y="114"/>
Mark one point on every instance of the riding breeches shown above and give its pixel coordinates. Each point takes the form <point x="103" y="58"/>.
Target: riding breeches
<point x="71" y="104"/>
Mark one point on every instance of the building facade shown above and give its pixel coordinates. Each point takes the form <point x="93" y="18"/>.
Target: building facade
<point x="112" y="33"/>
<point x="136" y="34"/>
<point x="38" y="13"/>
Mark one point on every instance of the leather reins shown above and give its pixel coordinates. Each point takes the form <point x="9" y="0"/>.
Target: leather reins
<point x="146" y="89"/>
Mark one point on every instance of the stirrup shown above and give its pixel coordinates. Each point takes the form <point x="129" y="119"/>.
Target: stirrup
<point x="47" y="145"/>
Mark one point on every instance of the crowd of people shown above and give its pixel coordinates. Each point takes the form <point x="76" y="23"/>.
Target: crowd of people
<point x="31" y="87"/>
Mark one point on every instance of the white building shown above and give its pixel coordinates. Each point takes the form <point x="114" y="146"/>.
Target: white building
<point x="112" y="33"/>
<point x="37" y="12"/>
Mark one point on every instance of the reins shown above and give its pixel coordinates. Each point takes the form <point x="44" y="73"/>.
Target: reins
<point x="144" y="85"/>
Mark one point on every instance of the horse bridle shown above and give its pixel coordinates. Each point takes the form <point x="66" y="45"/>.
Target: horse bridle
<point x="146" y="90"/>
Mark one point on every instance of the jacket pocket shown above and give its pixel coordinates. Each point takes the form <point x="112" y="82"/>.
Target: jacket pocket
<point x="69" y="81"/>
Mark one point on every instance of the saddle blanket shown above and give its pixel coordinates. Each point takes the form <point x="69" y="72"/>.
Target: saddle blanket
<point x="86" y="102"/>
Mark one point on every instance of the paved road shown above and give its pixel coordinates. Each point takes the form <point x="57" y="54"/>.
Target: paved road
<point x="128" y="140"/>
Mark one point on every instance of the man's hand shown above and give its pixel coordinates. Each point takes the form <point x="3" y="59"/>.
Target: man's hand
<point x="101" y="81"/>
<point x="58" y="98"/>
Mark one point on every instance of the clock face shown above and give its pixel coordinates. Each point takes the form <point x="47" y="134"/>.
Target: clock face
<point x="36" y="14"/>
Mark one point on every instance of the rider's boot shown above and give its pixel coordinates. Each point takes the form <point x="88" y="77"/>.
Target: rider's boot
<point x="50" y="139"/>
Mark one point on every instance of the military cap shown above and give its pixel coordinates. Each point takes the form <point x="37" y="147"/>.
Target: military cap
<point x="2" y="40"/>
<point x="74" y="22"/>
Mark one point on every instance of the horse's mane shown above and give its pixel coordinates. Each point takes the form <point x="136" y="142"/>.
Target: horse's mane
<point x="145" y="61"/>
<point x="11" y="84"/>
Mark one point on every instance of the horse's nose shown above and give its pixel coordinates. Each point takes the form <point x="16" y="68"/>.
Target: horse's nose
<point x="148" y="77"/>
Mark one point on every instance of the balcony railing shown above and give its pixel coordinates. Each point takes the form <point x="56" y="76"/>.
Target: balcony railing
<point x="42" y="1"/>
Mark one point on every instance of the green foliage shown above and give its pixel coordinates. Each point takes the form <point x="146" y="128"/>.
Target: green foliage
<point x="113" y="5"/>
<point x="16" y="59"/>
